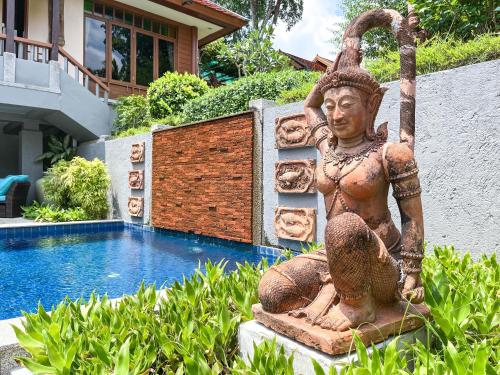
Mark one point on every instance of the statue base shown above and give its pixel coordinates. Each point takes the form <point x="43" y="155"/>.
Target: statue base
<point x="253" y="332"/>
<point x="391" y="320"/>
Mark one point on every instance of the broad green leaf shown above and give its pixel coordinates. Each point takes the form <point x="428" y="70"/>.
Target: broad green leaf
<point x="122" y="362"/>
<point x="37" y="368"/>
<point x="318" y="370"/>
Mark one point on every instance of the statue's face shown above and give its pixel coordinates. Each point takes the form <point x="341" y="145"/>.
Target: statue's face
<point x="347" y="112"/>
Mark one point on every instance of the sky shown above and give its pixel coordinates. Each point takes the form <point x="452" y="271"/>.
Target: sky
<point x="311" y="35"/>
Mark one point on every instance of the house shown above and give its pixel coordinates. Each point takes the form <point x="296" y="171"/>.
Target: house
<point x="60" y="61"/>
<point x="319" y="64"/>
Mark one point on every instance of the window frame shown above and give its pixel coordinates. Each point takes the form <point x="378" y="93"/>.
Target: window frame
<point x="133" y="42"/>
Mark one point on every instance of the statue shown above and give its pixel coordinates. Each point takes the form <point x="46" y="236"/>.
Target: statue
<point x="367" y="267"/>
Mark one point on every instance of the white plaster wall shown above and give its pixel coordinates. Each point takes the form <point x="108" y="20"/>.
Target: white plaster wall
<point x="38" y="25"/>
<point x="38" y="20"/>
<point x="73" y="28"/>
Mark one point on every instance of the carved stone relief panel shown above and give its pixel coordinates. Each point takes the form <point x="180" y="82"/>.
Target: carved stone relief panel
<point x="136" y="206"/>
<point x="136" y="180"/>
<point x="298" y="224"/>
<point x="137" y="152"/>
<point x="295" y="176"/>
<point x="293" y="131"/>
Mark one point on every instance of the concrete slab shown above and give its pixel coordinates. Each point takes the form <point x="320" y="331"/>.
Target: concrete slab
<point x="253" y="331"/>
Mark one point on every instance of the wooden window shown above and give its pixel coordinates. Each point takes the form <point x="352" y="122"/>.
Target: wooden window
<point x="165" y="57"/>
<point x="125" y="47"/>
<point x="95" y="46"/>
<point x="120" y="53"/>
<point x="144" y="59"/>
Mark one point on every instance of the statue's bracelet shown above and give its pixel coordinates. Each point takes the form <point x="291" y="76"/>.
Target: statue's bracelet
<point x="315" y="128"/>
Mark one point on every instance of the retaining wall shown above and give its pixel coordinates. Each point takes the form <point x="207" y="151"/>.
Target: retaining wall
<point x="457" y="145"/>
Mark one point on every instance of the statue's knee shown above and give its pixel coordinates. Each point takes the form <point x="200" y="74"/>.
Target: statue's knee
<point x="347" y="231"/>
<point x="278" y="294"/>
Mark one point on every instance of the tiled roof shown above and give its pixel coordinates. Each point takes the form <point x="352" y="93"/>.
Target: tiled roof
<point x="218" y="8"/>
<point x="319" y="63"/>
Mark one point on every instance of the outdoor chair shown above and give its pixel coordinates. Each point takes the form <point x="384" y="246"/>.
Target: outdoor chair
<point x="10" y="205"/>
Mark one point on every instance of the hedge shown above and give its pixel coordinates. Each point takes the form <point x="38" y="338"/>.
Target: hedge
<point x="234" y="97"/>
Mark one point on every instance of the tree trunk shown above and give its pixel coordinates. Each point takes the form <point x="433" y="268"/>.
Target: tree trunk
<point x="276" y="12"/>
<point x="254" y="14"/>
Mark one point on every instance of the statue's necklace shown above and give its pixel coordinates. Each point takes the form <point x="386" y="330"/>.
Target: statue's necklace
<point x="341" y="159"/>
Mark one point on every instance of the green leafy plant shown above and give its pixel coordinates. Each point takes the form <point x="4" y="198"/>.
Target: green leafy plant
<point x="465" y="19"/>
<point x="234" y="97"/>
<point x="297" y="94"/>
<point x="439" y="54"/>
<point x="255" y="53"/>
<point x="132" y="112"/>
<point x="59" y="149"/>
<point x="267" y="359"/>
<point x="191" y="330"/>
<point x="169" y="93"/>
<point x="79" y="183"/>
<point x="49" y="213"/>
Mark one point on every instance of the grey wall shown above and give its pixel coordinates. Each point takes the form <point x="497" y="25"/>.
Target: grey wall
<point x="9" y="149"/>
<point x="92" y="149"/>
<point x="51" y="96"/>
<point x="116" y="154"/>
<point x="457" y="145"/>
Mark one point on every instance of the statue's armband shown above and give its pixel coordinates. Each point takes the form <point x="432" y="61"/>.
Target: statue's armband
<point x="402" y="172"/>
<point x="320" y="132"/>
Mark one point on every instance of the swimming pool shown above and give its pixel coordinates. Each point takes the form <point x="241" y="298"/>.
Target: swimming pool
<point x="45" y="266"/>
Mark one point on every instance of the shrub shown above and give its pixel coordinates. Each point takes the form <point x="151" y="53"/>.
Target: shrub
<point x="49" y="213"/>
<point x="297" y="94"/>
<point x="169" y="93"/>
<point x="193" y="330"/>
<point x="79" y="183"/>
<point x="439" y="54"/>
<point x="132" y="112"/>
<point x="234" y="97"/>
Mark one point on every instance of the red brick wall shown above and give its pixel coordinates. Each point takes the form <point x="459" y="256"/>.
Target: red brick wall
<point x="202" y="178"/>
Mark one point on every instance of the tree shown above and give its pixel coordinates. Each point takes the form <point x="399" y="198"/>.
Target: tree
<point x="263" y="13"/>
<point x="462" y="18"/>
<point x="255" y="53"/>
<point x="376" y="42"/>
<point x="465" y="19"/>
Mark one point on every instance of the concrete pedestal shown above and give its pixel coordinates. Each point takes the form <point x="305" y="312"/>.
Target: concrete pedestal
<point x="253" y="331"/>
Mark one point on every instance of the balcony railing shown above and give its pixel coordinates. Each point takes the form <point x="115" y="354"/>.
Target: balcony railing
<point x="36" y="51"/>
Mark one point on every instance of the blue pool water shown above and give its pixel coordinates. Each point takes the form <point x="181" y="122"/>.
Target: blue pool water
<point x="48" y="268"/>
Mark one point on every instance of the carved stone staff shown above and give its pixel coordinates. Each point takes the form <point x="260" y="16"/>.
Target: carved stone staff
<point x="403" y="30"/>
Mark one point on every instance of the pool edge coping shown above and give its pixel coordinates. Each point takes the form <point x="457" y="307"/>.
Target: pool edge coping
<point x="32" y="224"/>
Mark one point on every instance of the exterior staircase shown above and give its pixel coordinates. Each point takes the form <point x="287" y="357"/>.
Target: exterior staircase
<point x="61" y="93"/>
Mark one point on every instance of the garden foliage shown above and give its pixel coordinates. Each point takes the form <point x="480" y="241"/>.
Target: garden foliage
<point x="255" y="53"/>
<point x="132" y="112"/>
<point x="433" y="55"/>
<point x="77" y="190"/>
<point x="193" y="328"/>
<point x="439" y="54"/>
<point x="59" y="149"/>
<point x="169" y="93"/>
<point x="234" y="97"/>
<point x="461" y="19"/>
<point x="52" y="214"/>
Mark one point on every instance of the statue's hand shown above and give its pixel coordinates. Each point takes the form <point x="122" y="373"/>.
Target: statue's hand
<point x="412" y="289"/>
<point x="383" y="253"/>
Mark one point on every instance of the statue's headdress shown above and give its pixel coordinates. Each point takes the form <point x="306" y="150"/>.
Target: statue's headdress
<point x="346" y="71"/>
